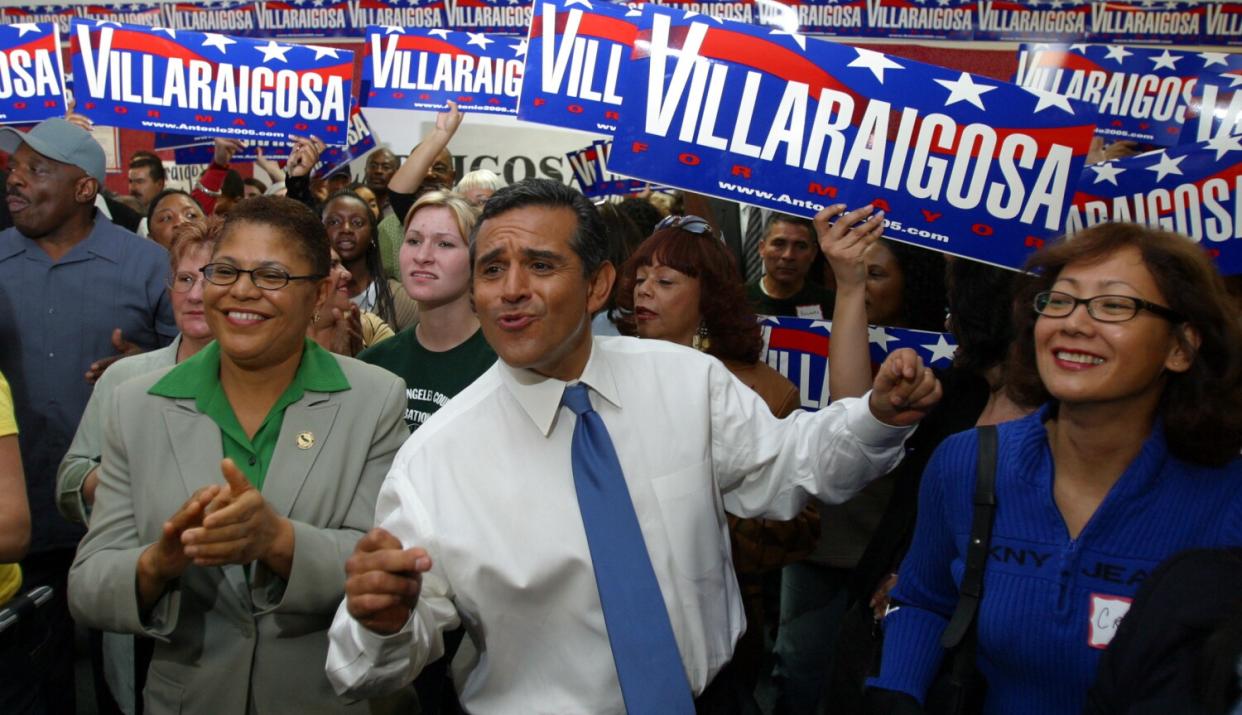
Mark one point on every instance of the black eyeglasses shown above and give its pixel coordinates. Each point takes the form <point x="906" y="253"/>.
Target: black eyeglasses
<point x="1104" y="308"/>
<point x="265" y="277"/>
<point x="693" y="224"/>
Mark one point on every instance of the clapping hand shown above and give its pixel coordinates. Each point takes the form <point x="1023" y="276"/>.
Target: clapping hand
<point x="238" y="527"/>
<point x="904" y="389"/>
<point x="383" y="580"/>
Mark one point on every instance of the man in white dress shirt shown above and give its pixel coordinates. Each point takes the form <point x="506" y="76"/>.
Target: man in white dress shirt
<point x="479" y="522"/>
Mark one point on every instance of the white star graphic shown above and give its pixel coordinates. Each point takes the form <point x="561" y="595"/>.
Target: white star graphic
<point x="877" y="62"/>
<point x="1223" y="144"/>
<point x="942" y="350"/>
<point x="1079" y="47"/>
<point x="220" y="42"/>
<point x="519" y="50"/>
<point x="1167" y="165"/>
<point x="478" y="39"/>
<point x="633" y="12"/>
<point x="880" y="336"/>
<point x="171" y="32"/>
<point x="439" y="32"/>
<point x="273" y="51"/>
<point x="393" y="30"/>
<point x="1214" y="58"/>
<point x="1056" y="4"/>
<point x="101" y="23"/>
<point x="964" y="89"/>
<point x="1234" y="77"/>
<point x="943" y="2"/>
<point x="24" y="27"/>
<point x="1050" y="99"/>
<point x="1165" y="60"/>
<point x="800" y="39"/>
<point x="1106" y="172"/>
<point x="322" y="52"/>
<point x="583" y="3"/>
<point x="1117" y="52"/>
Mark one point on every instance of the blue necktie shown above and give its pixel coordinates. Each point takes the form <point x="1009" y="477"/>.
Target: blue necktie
<point x="649" y="667"/>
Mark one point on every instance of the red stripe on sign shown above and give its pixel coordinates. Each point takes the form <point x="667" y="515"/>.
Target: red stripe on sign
<point x="1068" y="60"/>
<point x="798" y="340"/>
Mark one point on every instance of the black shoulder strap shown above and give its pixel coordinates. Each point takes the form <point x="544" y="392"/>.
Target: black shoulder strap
<point x="971" y="589"/>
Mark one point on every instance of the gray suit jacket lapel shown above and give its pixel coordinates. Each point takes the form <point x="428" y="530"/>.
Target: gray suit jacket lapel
<point x="198" y="448"/>
<point x="303" y="433"/>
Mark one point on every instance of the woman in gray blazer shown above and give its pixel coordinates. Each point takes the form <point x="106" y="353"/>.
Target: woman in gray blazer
<point x="234" y="485"/>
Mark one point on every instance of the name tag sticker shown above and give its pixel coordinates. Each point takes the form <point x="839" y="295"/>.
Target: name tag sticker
<point x="1106" y="614"/>
<point x="813" y="312"/>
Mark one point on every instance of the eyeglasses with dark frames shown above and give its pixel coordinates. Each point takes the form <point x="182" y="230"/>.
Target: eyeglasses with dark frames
<point x="692" y="224"/>
<point x="264" y="277"/>
<point x="1104" y="308"/>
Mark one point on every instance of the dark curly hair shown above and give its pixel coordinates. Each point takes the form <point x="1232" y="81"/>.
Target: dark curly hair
<point x="384" y="306"/>
<point x="980" y="313"/>
<point x="297" y="223"/>
<point x="922" y="286"/>
<point x="731" y="322"/>
<point x="1199" y="407"/>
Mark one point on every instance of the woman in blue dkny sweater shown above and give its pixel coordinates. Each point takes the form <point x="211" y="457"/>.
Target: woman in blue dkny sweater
<point x="1129" y="339"/>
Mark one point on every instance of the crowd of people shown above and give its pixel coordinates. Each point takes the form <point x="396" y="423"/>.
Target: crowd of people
<point x="428" y="443"/>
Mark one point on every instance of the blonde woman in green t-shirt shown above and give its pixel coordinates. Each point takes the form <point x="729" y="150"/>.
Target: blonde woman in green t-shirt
<point x="445" y="351"/>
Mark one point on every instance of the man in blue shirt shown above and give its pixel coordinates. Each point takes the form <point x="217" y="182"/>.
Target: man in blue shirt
<point x="68" y="279"/>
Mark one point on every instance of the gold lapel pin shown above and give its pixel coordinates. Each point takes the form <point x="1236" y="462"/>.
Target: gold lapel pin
<point x="306" y="440"/>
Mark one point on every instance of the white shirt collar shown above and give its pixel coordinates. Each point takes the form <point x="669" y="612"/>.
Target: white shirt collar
<point x="540" y="396"/>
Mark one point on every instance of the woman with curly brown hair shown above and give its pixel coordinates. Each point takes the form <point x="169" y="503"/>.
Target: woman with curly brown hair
<point x="1128" y="337"/>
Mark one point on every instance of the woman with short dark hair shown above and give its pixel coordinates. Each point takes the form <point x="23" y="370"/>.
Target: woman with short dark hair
<point x="1128" y="335"/>
<point x="234" y="485"/>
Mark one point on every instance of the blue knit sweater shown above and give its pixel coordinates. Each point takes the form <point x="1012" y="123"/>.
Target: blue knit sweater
<point x="1050" y="603"/>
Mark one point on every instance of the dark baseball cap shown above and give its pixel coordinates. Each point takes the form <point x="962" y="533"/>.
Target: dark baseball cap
<point x="59" y="140"/>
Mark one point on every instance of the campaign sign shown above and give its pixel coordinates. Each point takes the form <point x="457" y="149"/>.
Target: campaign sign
<point x="1008" y="20"/>
<point x="361" y="141"/>
<point x="798" y="348"/>
<point x="575" y="54"/>
<point x="590" y="170"/>
<point x="1222" y="23"/>
<point x="738" y="10"/>
<point x="396" y="13"/>
<point x="1192" y="189"/>
<point x="232" y="17"/>
<point x="59" y="15"/>
<point x="1148" y="21"/>
<point x="145" y="14"/>
<point x="31" y="76"/>
<point x="1141" y="93"/>
<point x="1215" y="108"/>
<point x="424" y="69"/>
<point x="502" y="16"/>
<point x="925" y="19"/>
<point x="204" y="83"/>
<point x="959" y="163"/>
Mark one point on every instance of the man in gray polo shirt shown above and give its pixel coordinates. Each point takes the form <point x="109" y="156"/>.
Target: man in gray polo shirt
<point x="68" y="279"/>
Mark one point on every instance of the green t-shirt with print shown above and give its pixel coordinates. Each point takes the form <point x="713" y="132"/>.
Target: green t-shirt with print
<point x="431" y="378"/>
